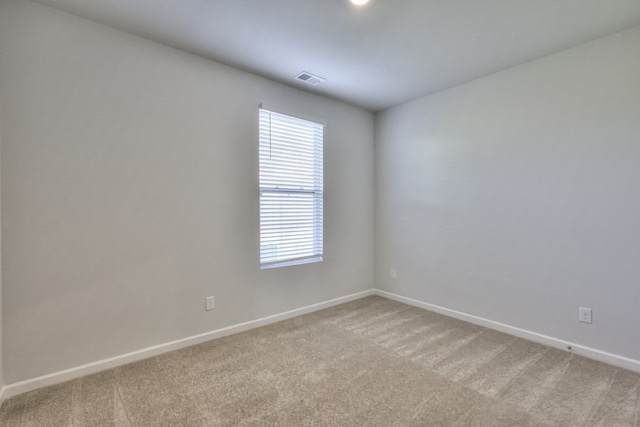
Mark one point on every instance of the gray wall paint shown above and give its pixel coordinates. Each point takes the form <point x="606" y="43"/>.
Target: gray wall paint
<point x="129" y="174"/>
<point x="129" y="194"/>
<point x="1" y="319"/>
<point x="516" y="197"/>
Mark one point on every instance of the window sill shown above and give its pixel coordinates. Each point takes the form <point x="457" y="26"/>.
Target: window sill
<point x="290" y="262"/>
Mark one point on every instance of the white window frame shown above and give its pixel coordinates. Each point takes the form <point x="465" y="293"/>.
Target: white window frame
<point x="291" y="189"/>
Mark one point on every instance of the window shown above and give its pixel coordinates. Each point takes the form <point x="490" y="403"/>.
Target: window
<point x="290" y="190"/>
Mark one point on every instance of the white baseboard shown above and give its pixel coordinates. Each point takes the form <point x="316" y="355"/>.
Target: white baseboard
<point x="2" y="397"/>
<point x="588" y="352"/>
<point x="69" y="374"/>
<point x="112" y="362"/>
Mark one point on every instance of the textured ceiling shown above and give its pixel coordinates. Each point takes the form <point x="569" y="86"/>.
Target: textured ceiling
<point x="376" y="56"/>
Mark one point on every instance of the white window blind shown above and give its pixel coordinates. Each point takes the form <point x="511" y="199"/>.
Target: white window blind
<point x="290" y="190"/>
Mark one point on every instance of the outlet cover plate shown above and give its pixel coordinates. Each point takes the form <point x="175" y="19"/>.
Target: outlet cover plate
<point x="584" y="315"/>
<point x="210" y="303"/>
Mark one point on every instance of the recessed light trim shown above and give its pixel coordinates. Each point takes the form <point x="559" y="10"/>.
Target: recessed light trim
<point x="359" y="2"/>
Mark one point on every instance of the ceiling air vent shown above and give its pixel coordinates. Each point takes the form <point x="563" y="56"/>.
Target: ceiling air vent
<point x="309" y="78"/>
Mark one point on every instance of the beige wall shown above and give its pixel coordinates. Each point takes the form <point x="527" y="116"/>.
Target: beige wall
<point x="516" y="197"/>
<point x="129" y="175"/>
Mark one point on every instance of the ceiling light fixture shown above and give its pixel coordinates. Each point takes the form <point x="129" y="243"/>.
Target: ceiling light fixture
<point x="359" y="2"/>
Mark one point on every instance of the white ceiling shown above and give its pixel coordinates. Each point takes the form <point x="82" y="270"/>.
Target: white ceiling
<point x="376" y="56"/>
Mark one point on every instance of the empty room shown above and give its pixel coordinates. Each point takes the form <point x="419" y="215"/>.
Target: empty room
<point x="319" y="212"/>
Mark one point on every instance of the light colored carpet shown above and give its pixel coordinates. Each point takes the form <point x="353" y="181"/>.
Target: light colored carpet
<point x="371" y="362"/>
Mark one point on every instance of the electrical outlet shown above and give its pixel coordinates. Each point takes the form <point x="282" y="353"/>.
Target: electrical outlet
<point x="584" y="315"/>
<point x="210" y="303"/>
<point x="393" y="273"/>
